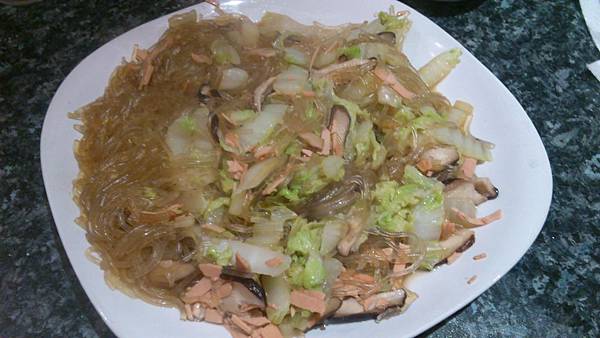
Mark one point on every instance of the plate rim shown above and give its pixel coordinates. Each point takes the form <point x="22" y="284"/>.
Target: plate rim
<point x="480" y="288"/>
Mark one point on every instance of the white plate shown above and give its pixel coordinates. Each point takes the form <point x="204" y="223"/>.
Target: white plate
<point x="521" y="171"/>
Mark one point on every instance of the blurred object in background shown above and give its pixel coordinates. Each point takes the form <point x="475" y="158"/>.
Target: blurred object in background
<point x="443" y="7"/>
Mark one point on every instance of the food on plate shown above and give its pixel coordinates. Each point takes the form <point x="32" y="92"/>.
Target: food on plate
<point x="274" y="177"/>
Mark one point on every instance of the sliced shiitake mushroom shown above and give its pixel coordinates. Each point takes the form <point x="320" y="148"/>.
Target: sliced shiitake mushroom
<point x="213" y="126"/>
<point x="205" y="93"/>
<point x="484" y="186"/>
<point x="240" y="296"/>
<point x="339" y="125"/>
<point x="461" y="189"/>
<point x="460" y="241"/>
<point x="478" y="190"/>
<point x="245" y="279"/>
<point x="350" y="310"/>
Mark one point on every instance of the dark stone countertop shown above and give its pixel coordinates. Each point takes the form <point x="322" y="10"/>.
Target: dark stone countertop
<point x="537" y="48"/>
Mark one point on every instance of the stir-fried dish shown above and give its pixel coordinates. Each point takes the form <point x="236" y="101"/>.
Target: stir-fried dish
<point x="273" y="177"/>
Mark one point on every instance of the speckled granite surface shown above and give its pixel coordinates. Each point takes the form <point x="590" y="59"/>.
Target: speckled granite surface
<point x="537" y="48"/>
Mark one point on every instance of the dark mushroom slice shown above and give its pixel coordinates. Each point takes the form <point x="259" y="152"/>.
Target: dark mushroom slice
<point x="447" y="175"/>
<point x="239" y="298"/>
<point x="484" y="186"/>
<point x="333" y="304"/>
<point x="440" y="158"/>
<point x="461" y="189"/>
<point x="245" y="279"/>
<point x="389" y="37"/>
<point x="352" y="311"/>
<point x="339" y="125"/>
<point x="213" y="126"/>
<point x="460" y="241"/>
<point x="389" y="299"/>
<point x="205" y="93"/>
<point x="261" y="91"/>
<point x="396" y="310"/>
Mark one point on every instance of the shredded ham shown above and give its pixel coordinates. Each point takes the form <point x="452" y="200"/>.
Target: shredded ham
<point x="316" y="294"/>
<point x="147" y="67"/>
<point x="224" y="290"/>
<point x="467" y="169"/>
<point x="472" y="279"/>
<point x="241" y="324"/>
<point x="213" y="316"/>
<point x="326" y="137"/>
<point x="352" y="284"/>
<point x="448" y="228"/>
<point x="210" y="270"/>
<point x="269" y="331"/>
<point x="232" y="139"/>
<point x="248" y="307"/>
<point x="424" y="165"/>
<point x="337" y="144"/>
<point x="496" y="215"/>
<point x="241" y="263"/>
<point x="256" y="321"/>
<point x="271" y="187"/>
<point x="264" y="151"/>
<point x="312" y="140"/>
<point x="342" y="290"/>
<point x="193" y="294"/>
<point x="139" y="54"/>
<point x="207" y="299"/>
<point x="273" y="262"/>
<point x="237" y="169"/>
<point x="389" y="79"/>
<point x="482" y="255"/>
<point x="201" y="59"/>
<point x="308" y="300"/>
